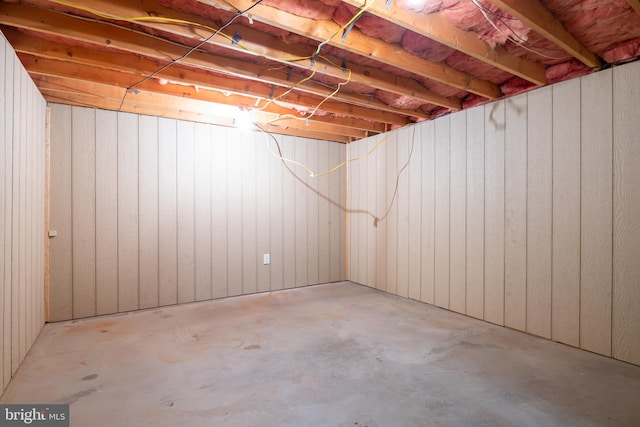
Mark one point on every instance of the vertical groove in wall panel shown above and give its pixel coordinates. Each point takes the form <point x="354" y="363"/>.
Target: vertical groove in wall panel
<point x="475" y="212"/>
<point x="21" y="124"/>
<point x="203" y="211"/>
<point x="25" y="190"/>
<point x="37" y="217"/>
<point x="167" y="212"/>
<point x="343" y="212"/>
<point x="106" y="210"/>
<point x="148" y="218"/>
<point x="324" y="242"/>
<point x="382" y="183"/>
<point x="427" y="235"/>
<point x="458" y="214"/>
<point x="60" y="300"/>
<point x="45" y="203"/>
<point x="539" y="212"/>
<point x="362" y="196"/>
<point x="15" y="222"/>
<point x="44" y="266"/>
<point x="415" y="213"/>
<point x="4" y="235"/>
<point x="402" y="202"/>
<point x="263" y="218"/>
<point x="372" y="201"/>
<point x="83" y="165"/>
<point x="494" y="224"/>
<point x="7" y="132"/>
<point x="220" y="162"/>
<point x="289" y="214"/>
<point x="354" y="217"/>
<point x="28" y="215"/>
<point x="234" y="209"/>
<point x="186" y="212"/>
<point x="128" y="272"/>
<point x="248" y="196"/>
<point x="596" y="208"/>
<point x="442" y="192"/>
<point x="300" y="155"/>
<point x="312" y="213"/>
<point x="30" y="177"/>
<point x="392" y="213"/>
<point x="276" y="214"/>
<point x="515" y="199"/>
<point x="336" y="210"/>
<point x="25" y="223"/>
<point x="626" y="211"/>
<point x="566" y="213"/>
<point x="34" y="208"/>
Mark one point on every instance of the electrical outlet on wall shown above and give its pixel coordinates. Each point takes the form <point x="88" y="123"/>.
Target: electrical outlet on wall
<point x="266" y="259"/>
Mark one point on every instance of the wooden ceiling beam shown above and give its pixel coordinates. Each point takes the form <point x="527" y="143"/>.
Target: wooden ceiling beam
<point x="541" y="20"/>
<point x="343" y="126"/>
<point x="82" y="101"/>
<point x="436" y="27"/>
<point x="105" y="97"/>
<point x="34" y="19"/>
<point x="80" y="72"/>
<point x="273" y="129"/>
<point x="635" y="4"/>
<point x="253" y="42"/>
<point x="358" y="43"/>
<point x="135" y="67"/>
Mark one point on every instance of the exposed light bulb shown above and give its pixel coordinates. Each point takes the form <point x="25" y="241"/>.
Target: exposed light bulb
<point x="415" y="4"/>
<point x="242" y="120"/>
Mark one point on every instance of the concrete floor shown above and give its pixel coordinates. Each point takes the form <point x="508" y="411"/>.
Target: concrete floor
<point x="330" y="355"/>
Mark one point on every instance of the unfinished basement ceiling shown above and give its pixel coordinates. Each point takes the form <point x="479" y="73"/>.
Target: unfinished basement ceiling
<point x="330" y="69"/>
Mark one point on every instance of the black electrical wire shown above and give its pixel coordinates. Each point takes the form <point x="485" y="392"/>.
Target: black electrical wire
<point x="189" y="52"/>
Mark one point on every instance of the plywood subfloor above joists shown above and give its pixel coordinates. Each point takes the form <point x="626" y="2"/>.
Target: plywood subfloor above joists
<point x="350" y="69"/>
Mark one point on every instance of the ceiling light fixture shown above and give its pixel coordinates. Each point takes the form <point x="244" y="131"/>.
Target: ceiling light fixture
<point x="414" y="4"/>
<point x="243" y="120"/>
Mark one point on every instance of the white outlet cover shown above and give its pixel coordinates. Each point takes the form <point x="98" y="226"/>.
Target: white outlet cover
<point x="266" y="259"/>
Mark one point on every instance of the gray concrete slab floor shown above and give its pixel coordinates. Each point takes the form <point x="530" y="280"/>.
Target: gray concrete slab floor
<point x="329" y="355"/>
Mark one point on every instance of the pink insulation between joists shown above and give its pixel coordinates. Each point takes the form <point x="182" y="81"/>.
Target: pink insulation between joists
<point x="623" y="51"/>
<point x="398" y="101"/>
<point x="597" y="24"/>
<point x="467" y="16"/>
<point x="307" y="9"/>
<point x="370" y="25"/>
<point x="424" y="47"/>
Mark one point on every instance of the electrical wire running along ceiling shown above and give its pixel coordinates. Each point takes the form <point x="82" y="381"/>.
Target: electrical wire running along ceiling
<point x="327" y="69"/>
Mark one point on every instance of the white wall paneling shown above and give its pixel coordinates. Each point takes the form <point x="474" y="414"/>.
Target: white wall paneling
<point x="528" y="211"/>
<point x="176" y="212"/>
<point x="22" y="234"/>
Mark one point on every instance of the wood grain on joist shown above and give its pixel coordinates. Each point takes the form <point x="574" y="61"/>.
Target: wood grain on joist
<point x="254" y="42"/>
<point x="170" y="112"/>
<point x="358" y="43"/>
<point x="87" y="32"/>
<point x="437" y="28"/>
<point x="542" y="21"/>
<point x="125" y="70"/>
<point x="110" y="97"/>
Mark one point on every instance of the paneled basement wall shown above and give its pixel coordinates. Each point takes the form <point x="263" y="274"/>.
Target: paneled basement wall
<point x="151" y="212"/>
<point x="22" y="234"/>
<point x="523" y="212"/>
